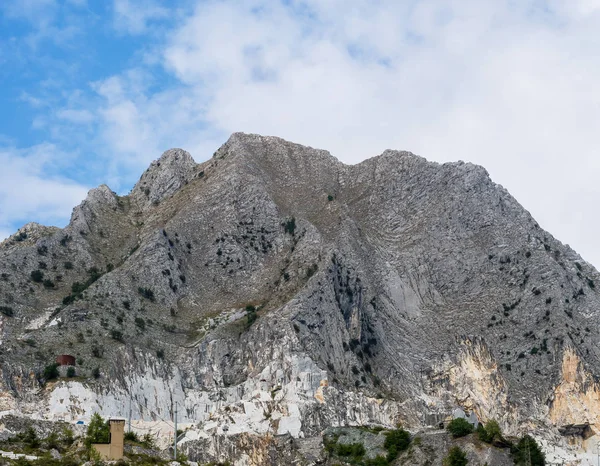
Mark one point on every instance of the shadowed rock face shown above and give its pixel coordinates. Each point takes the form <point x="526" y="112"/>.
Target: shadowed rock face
<point x="273" y="289"/>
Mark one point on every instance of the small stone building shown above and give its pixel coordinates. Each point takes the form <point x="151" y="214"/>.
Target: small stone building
<point x="65" y="360"/>
<point x="114" y="449"/>
<point x="470" y="418"/>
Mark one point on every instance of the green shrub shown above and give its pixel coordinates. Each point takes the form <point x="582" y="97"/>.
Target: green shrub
<point x="52" y="441"/>
<point x="482" y="434"/>
<point x="78" y="287"/>
<point x="97" y="351"/>
<point x="37" y="276"/>
<point x="290" y="226"/>
<point x="98" y="431"/>
<point x="71" y="372"/>
<point x="160" y="354"/>
<point x="459" y="427"/>
<point x="69" y="299"/>
<point x="51" y="371"/>
<point x="396" y="441"/>
<point x="355" y="450"/>
<point x="7" y="311"/>
<point x="131" y="436"/>
<point x="528" y="452"/>
<point x="94" y="274"/>
<point x="148" y="441"/>
<point x="330" y="443"/>
<point x="96" y="372"/>
<point x="68" y="265"/>
<point x="591" y="283"/>
<point x="377" y="461"/>
<point x="456" y="457"/>
<point x="116" y="335"/>
<point x="48" y="283"/>
<point x="146" y="293"/>
<point x="67" y="436"/>
<point x="492" y="431"/>
<point x="250" y="315"/>
<point x="141" y="323"/>
<point x="30" y="438"/>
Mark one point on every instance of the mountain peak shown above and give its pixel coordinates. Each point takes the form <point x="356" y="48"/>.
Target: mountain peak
<point x="175" y="157"/>
<point x="281" y="281"/>
<point x="163" y="177"/>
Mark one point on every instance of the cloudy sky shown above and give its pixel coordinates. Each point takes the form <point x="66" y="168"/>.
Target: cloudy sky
<point x="92" y="90"/>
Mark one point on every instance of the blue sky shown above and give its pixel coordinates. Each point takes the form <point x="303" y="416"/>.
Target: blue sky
<point x="92" y="91"/>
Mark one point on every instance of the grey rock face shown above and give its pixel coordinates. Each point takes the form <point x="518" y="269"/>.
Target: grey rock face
<point x="163" y="178"/>
<point x="273" y="290"/>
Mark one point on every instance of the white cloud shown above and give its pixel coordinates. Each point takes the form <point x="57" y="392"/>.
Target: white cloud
<point x="43" y="17"/>
<point x="32" y="10"/>
<point x="31" y="100"/>
<point x="75" y="115"/>
<point x="5" y="234"/>
<point x="508" y="85"/>
<point x="133" y="16"/>
<point x="28" y="190"/>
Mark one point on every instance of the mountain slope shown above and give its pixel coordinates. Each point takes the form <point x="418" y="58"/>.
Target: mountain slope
<point x="273" y="289"/>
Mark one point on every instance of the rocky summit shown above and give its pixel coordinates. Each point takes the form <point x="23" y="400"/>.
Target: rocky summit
<point x="273" y="293"/>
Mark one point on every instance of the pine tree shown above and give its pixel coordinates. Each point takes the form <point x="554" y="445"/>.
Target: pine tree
<point x="98" y="431"/>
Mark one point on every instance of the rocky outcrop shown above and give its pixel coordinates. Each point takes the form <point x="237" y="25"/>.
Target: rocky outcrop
<point x="163" y="178"/>
<point x="274" y="291"/>
<point x="576" y="398"/>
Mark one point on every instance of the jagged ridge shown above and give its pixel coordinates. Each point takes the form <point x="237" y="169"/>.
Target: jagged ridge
<point x="423" y="285"/>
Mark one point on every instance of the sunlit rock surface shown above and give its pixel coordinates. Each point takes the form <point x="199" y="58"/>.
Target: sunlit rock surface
<point x="272" y="292"/>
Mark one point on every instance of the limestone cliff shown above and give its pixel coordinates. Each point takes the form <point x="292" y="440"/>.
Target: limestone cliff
<point x="273" y="290"/>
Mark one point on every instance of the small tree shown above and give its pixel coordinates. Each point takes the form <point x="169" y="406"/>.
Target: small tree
<point x="290" y="226"/>
<point x="52" y="441"/>
<point x="459" y="427"/>
<point x="146" y="293"/>
<point x="71" y="372"/>
<point x="67" y="436"/>
<point x="482" y="434"/>
<point x="528" y="452"/>
<point x="98" y="431"/>
<point x="30" y="438"/>
<point x="37" y="276"/>
<point x="51" y="372"/>
<point x="141" y="323"/>
<point x="456" y="457"/>
<point x="148" y="441"/>
<point x="396" y="441"/>
<point x="490" y="433"/>
<point x="116" y="335"/>
<point x="131" y="436"/>
<point x="250" y="315"/>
